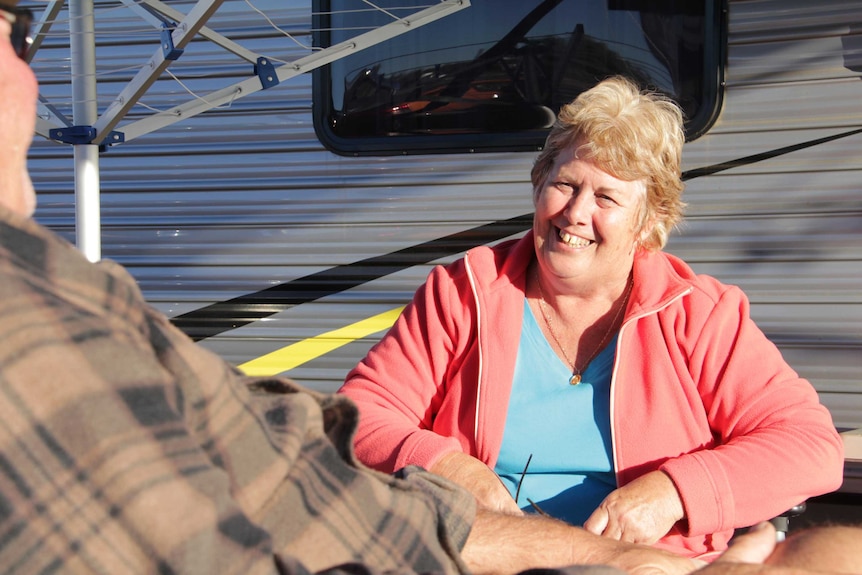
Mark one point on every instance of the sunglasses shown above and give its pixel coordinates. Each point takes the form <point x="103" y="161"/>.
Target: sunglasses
<point x="20" y="20"/>
<point x="532" y="503"/>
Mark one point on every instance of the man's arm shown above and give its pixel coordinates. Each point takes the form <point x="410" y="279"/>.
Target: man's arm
<point x="501" y="544"/>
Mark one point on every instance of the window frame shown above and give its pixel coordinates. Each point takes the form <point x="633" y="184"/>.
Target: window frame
<point x="526" y="140"/>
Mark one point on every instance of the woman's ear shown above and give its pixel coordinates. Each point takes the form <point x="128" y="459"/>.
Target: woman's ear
<point x="646" y="232"/>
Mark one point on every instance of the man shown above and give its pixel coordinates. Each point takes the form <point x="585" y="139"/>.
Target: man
<point x="821" y="550"/>
<point x="126" y="448"/>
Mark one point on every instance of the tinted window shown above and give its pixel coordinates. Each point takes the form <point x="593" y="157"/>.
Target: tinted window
<point x="492" y="76"/>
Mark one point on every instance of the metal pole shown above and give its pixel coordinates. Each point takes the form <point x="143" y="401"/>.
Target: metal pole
<point x="85" y="112"/>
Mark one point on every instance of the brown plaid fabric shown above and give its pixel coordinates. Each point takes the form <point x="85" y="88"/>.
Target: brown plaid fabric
<point x="126" y="448"/>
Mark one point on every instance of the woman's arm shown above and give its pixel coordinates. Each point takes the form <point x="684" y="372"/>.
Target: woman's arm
<point x="478" y="479"/>
<point x="772" y="434"/>
<point x="404" y="379"/>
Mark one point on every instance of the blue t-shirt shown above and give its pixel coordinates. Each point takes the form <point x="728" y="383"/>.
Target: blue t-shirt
<point x="562" y="429"/>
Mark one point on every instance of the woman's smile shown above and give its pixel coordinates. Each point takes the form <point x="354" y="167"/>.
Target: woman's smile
<point x="573" y="241"/>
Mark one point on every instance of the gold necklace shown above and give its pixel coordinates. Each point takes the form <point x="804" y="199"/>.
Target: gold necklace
<point x="576" y="373"/>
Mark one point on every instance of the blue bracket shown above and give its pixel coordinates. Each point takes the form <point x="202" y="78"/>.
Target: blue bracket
<point x="265" y="70"/>
<point x="82" y="135"/>
<point x="170" y="51"/>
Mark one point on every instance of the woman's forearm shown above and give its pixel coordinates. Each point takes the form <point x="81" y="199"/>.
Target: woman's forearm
<point x="479" y="479"/>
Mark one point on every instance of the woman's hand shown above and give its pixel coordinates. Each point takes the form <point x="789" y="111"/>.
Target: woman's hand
<point x="641" y="512"/>
<point x="476" y="477"/>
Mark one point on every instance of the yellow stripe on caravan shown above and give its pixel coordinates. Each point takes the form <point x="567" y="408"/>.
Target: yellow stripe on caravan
<point x="301" y="352"/>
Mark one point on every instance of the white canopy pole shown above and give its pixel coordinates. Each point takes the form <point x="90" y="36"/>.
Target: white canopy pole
<point x="85" y="112"/>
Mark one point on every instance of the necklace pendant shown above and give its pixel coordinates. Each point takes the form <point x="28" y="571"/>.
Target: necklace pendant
<point x="575" y="379"/>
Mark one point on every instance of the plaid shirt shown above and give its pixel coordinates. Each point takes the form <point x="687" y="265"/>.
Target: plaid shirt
<point x="126" y="448"/>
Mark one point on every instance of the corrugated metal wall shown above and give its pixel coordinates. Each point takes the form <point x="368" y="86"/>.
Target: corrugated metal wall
<point x="789" y="229"/>
<point x="244" y="198"/>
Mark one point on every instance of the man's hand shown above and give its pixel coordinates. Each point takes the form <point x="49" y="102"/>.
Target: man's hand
<point x="478" y="479"/>
<point x="747" y="554"/>
<point x="753" y="547"/>
<point x="642" y="560"/>
<point x="641" y="512"/>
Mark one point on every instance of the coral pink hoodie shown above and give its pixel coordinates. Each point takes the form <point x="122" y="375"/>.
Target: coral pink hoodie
<point x="697" y="391"/>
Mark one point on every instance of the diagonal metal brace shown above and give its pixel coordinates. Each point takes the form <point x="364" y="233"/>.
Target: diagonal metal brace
<point x="289" y="70"/>
<point x="157" y="64"/>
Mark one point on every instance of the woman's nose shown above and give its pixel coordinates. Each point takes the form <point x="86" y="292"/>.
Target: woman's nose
<point x="579" y="207"/>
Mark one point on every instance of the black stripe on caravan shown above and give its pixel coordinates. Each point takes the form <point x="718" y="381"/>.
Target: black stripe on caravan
<point x="243" y="310"/>
<point x="223" y="316"/>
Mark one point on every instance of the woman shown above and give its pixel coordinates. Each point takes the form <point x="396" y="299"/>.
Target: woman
<point x="583" y="372"/>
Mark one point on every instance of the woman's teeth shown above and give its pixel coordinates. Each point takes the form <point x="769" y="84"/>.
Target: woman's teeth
<point x="574" y="241"/>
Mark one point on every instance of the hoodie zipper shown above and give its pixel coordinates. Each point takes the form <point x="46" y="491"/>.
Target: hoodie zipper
<point x="625" y="324"/>
<point x="479" y="347"/>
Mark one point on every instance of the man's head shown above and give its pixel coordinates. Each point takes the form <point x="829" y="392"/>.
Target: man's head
<point x="18" y="94"/>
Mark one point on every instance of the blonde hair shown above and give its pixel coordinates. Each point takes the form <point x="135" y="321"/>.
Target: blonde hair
<point x="632" y="135"/>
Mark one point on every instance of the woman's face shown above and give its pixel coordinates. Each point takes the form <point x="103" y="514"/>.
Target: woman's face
<point x="587" y="221"/>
